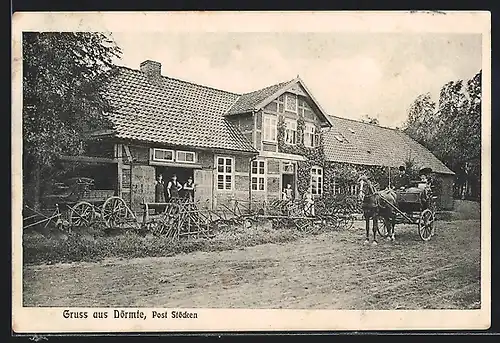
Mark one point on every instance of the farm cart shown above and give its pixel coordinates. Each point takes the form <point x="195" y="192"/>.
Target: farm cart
<point x="290" y="214"/>
<point x="415" y="205"/>
<point x="76" y="204"/>
<point x="177" y="218"/>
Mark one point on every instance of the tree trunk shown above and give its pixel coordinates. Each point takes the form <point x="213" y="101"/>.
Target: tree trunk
<point x="36" y="186"/>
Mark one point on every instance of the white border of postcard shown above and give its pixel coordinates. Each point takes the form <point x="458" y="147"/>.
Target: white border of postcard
<point x="50" y="320"/>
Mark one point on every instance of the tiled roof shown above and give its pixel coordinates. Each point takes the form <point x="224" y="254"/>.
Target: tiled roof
<point x="248" y="101"/>
<point x="351" y="141"/>
<point x="172" y="112"/>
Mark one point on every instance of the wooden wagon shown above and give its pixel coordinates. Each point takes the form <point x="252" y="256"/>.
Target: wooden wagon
<point x="76" y="203"/>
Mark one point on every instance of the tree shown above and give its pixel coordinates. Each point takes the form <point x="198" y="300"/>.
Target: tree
<point x="64" y="75"/>
<point x="452" y="132"/>
<point x="420" y="119"/>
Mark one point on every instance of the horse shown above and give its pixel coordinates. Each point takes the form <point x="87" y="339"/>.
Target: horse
<point x="377" y="204"/>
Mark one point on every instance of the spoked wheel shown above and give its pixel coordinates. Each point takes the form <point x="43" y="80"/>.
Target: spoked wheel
<point x="347" y="222"/>
<point x="114" y="212"/>
<point x="426" y="224"/>
<point x="81" y="215"/>
<point x="382" y="228"/>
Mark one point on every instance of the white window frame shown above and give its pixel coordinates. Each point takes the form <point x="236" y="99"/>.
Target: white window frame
<point x="224" y="173"/>
<point x="290" y="123"/>
<point x="270" y="128"/>
<point x="310" y="137"/>
<point x="291" y="164"/>
<point x="353" y="189"/>
<point x="302" y="106"/>
<point x="259" y="176"/>
<point x="287" y="95"/>
<point x="162" y="159"/>
<point x="280" y="103"/>
<point x="185" y="152"/>
<point x="316" y="178"/>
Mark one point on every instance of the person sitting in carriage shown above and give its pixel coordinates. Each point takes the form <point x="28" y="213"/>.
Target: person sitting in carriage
<point x="402" y="181"/>
<point x="425" y="182"/>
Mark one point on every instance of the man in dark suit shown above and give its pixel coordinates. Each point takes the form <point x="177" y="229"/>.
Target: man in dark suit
<point x="402" y="181"/>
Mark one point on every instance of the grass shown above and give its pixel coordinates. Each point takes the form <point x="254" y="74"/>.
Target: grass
<point x="94" y="245"/>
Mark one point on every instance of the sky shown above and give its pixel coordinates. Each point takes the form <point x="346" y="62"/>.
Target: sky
<point x="351" y="75"/>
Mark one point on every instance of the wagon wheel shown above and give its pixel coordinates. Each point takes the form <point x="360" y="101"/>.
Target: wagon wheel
<point x="382" y="228"/>
<point x="82" y="214"/>
<point x="114" y="211"/>
<point x="347" y="222"/>
<point x="303" y="225"/>
<point x="425" y="224"/>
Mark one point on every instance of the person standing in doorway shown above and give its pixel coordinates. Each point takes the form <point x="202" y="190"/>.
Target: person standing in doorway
<point x="287" y="192"/>
<point x="173" y="188"/>
<point x="159" y="189"/>
<point x="189" y="189"/>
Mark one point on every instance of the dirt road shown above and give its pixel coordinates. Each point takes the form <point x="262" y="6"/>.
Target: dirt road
<point x="329" y="271"/>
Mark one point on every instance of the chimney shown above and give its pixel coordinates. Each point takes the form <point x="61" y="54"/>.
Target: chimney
<point x="151" y="68"/>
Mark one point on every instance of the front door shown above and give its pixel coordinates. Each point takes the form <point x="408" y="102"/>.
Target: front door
<point x="203" y="192"/>
<point x="288" y="179"/>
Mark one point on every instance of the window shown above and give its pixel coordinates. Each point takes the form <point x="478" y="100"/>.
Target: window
<point x="302" y="107"/>
<point x="258" y="175"/>
<point x="287" y="167"/>
<point x="281" y="103"/>
<point x="336" y="187"/>
<point x="290" y="131"/>
<point x="291" y="102"/>
<point x="270" y="124"/>
<point x="224" y="173"/>
<point x="316" y="180"/>
<point x="353" y="189"/>
<point x="186" y="156"/>
<point x="163" y="155"/>
<point x="310" y="139"/>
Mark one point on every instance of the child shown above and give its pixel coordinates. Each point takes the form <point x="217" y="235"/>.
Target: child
<point x="287" y="192"/>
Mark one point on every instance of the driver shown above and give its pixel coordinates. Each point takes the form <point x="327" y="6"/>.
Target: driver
<point x="402" y="181"/>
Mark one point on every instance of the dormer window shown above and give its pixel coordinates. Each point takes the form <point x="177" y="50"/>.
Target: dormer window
<point x="291" y="102"/>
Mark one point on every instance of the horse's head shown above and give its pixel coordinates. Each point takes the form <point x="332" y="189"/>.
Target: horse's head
<point x="365" y="187"/>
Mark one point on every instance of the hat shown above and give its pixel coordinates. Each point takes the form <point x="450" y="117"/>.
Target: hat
<point x="402" y="168"/>
<point x="425" y="171"/>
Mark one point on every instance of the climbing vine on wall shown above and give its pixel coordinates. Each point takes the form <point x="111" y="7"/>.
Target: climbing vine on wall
<point x="315" y="156"/>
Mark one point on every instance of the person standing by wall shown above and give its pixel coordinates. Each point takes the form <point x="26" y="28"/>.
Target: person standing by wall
<point x="189" y="189"/>
<point x="159" y="189"/>
<point x="173" y="188"/>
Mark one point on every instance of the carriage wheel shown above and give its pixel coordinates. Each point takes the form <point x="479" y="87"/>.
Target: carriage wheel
<point x="114" y="211"/>
<point x="347" y="222"/>
<point x="425" y="225"/>
<point x="82" y="214"/>
<point x="382" y="228"/>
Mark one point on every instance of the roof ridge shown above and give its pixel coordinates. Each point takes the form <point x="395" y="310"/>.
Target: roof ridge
<point x="362" y="122"/>
<point x="269" y="86"/>
<point x="184" y="81"/>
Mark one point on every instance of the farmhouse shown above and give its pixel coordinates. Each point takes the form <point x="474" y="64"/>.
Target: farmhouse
<point x="236" y="146"/>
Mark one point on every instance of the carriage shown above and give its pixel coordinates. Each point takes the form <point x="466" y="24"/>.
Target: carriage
<point x="75" y="203"/>
<point x="415" y="205"/>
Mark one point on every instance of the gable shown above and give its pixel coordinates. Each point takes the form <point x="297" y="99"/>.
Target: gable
<point x="294" y="103"/>
<point x="264" y="97"/>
